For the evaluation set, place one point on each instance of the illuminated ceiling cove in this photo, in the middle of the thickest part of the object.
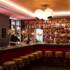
(57, 5)
(12, 9)
(24, 9)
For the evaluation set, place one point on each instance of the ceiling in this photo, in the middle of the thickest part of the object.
(32, 5)
(57, 5)
(7, 8)
(13, 14)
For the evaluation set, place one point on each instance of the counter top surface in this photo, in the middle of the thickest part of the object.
(32, 44)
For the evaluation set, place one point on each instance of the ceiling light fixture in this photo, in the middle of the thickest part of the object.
(43, 14)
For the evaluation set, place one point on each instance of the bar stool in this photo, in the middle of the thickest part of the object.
(31, 60)
(59, 58)
(48, 54)
(48, 57)
(34, 54)
(31, 57)
(67, 59)
(9, 65)
(39, 54)
(35, 57)
(19, 63)
(1, 68)
(26, 61)
(39, 57)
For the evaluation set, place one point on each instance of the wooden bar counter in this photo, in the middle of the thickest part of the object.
(10, 52)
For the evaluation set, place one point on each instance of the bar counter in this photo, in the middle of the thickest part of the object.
(10, 52)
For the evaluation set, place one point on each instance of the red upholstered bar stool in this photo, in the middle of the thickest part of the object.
(19, 63)
(67, 59)
(9, 65)
(1, 68)
(59, 58)
(48, 58)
